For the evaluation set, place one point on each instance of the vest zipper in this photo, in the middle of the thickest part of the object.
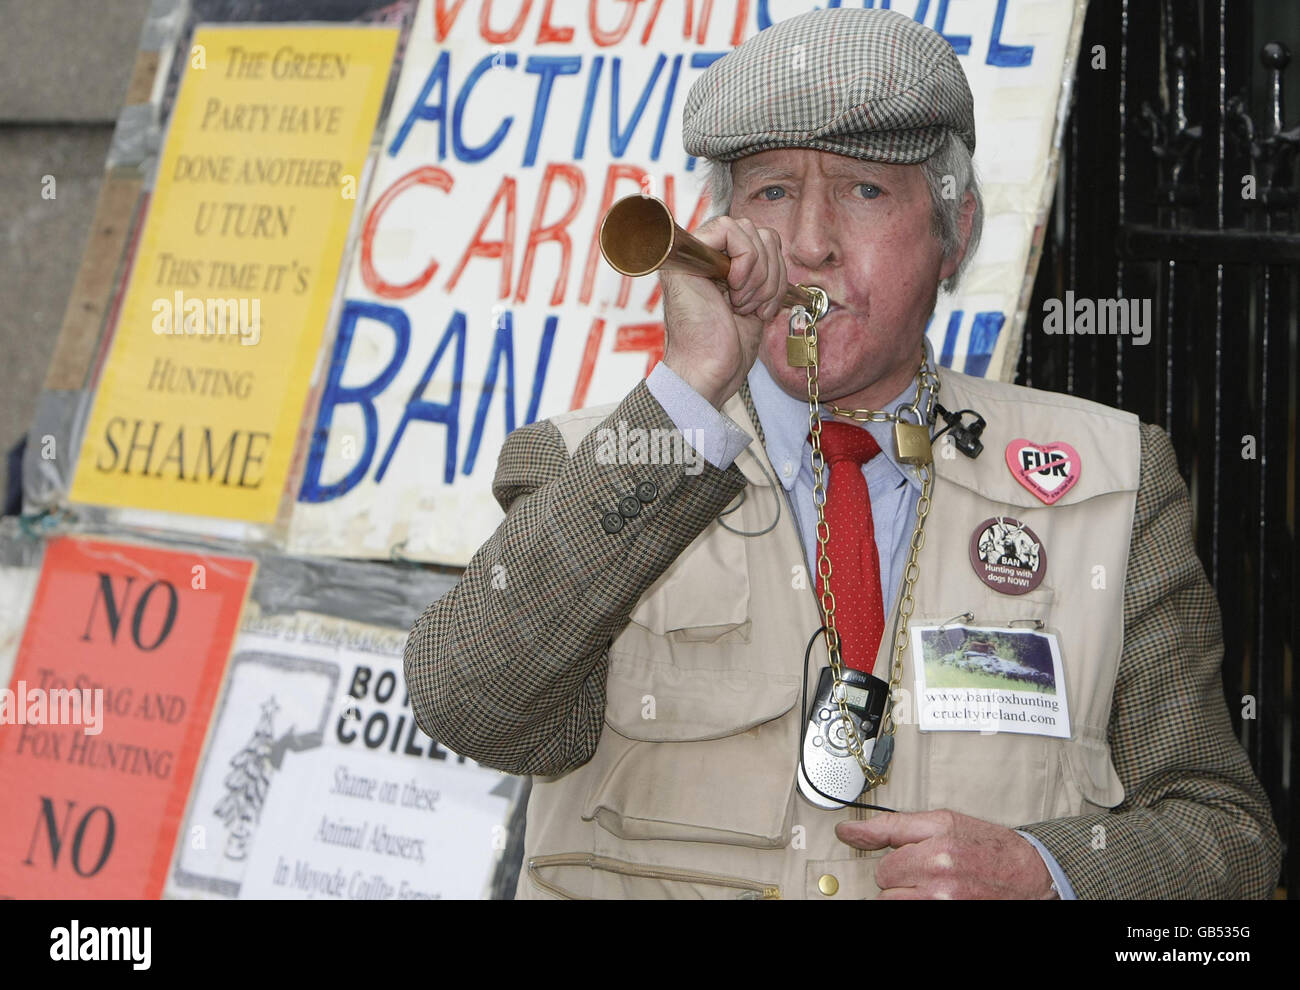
(766, 891)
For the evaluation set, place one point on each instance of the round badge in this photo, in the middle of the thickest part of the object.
(1008, 556)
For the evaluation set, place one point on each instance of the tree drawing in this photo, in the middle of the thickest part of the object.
(247, 784)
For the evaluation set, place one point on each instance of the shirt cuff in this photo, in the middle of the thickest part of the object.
(716, 436)
(1062, 885)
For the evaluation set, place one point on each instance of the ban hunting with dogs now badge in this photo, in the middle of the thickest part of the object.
(1008, 556)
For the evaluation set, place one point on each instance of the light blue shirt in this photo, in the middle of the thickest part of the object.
(893, 488)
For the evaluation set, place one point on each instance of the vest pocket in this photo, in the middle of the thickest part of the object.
(736, 789)
(1002, 777)
(1089, 783)
(696, 754)
(687, 666)
(700, 740)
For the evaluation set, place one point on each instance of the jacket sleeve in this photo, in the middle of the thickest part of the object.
(509, 667)
(1194, 822)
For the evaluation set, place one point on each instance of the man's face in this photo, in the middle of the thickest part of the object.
(861, 231)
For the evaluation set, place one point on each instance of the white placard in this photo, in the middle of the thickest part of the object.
(316, 783)
(477, 299)
(989, 679)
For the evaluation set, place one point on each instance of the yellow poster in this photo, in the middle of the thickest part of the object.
(200, 399)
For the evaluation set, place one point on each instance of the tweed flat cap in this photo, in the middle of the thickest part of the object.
(869, 84)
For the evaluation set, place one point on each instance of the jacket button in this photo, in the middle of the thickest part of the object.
(629, 505)
(646, 491)
(828, 885)
(612, 522)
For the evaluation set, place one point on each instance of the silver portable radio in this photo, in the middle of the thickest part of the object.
(827, 764)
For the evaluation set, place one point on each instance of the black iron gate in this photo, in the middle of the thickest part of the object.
(1179, 185)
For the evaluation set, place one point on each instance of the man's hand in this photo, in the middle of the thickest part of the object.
(713, 334)
(946, 855)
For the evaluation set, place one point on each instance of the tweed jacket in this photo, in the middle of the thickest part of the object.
(517, 681)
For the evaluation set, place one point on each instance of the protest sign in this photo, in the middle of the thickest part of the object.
(200, 399)
(102, 723)
(477, 300)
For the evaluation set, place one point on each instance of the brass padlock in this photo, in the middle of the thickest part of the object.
(801, 344)
(912, 443)
(799, 350)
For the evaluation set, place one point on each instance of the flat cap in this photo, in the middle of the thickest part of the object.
(870, 84)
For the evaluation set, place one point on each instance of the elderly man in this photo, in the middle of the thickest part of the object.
(637, 634)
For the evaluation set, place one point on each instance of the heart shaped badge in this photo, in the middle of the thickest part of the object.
(1049, 470)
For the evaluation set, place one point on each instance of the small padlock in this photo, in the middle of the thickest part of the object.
(912, 443)
(799, 350)
(801, 344)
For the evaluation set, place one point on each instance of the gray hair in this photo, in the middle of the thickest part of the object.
(949, 166)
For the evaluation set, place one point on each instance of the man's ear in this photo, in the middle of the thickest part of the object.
(964, 223)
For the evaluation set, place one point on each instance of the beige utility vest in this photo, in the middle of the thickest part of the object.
(700, 800)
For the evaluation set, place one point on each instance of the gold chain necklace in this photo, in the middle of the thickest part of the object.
(912, 446)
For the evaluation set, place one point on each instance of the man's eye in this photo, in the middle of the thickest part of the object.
(868, 190)
(771, 193)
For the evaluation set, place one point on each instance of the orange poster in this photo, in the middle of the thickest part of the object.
(101, 726)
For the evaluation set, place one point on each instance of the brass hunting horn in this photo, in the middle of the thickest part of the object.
(639, 236)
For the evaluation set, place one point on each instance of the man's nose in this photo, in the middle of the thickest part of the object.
(814, 241)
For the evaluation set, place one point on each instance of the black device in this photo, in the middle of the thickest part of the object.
(966, 437)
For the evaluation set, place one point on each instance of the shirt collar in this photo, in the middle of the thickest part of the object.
(785, 425)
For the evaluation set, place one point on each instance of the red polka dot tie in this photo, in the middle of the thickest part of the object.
(855, 562)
